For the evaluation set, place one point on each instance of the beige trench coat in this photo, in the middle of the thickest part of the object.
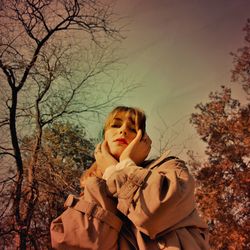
(136, 208)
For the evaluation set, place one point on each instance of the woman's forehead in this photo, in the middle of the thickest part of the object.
(124, 115)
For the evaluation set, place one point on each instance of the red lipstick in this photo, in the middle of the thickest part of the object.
(122, 140)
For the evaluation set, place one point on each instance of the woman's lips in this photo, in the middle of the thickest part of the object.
(122, 141)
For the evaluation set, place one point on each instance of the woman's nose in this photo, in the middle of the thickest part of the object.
(123, 130)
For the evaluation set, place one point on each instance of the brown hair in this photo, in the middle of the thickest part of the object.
(138, 117)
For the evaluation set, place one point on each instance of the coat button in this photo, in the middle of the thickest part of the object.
(69, 201)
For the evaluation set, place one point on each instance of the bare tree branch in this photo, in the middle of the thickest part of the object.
(44, 82)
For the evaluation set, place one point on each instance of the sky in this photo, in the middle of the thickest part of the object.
(178, 51)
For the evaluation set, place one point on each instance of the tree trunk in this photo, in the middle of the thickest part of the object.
(23, 238)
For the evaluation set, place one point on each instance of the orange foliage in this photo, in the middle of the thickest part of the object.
(223, 180)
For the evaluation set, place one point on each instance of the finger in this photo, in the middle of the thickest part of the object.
(148, 140)
(104, 147)
(98, 148)
(138, 136)
(99, 172)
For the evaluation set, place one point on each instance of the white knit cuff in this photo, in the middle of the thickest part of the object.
(118, 167)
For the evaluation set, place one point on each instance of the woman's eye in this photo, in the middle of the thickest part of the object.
(115, 126)
(133, 130)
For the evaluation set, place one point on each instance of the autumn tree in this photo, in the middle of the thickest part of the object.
(54, 54)
(65, 154)
(223, 123)
(240, 72)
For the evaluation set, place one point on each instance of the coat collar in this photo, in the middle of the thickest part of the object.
(159, 160)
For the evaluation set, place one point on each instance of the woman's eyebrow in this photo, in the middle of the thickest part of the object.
(117, 119)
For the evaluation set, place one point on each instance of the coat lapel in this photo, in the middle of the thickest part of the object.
(159, 160)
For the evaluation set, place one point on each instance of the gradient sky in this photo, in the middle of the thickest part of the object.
(179, 52)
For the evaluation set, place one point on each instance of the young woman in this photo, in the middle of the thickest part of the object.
(127, 202)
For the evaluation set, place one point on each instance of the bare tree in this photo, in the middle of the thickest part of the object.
(53, 53)
(65, 154)
(169, 134)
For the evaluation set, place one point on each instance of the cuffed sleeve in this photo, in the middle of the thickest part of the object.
(154, 199)
(125, 181)
(108, 172)
(115, 168)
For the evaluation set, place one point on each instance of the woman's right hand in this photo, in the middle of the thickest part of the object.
(138, 149)
(103, 157)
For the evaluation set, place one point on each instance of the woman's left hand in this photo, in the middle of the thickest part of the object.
(138, 149)
(103, 157)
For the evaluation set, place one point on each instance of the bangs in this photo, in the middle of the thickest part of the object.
(136, 115)
(130, 114)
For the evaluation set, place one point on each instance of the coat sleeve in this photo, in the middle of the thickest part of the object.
(153, 199)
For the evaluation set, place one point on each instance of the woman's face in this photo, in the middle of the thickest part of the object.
(120, 133)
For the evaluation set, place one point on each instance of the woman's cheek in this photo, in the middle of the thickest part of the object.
(116, 151)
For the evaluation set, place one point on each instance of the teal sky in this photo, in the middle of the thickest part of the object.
(179, 51)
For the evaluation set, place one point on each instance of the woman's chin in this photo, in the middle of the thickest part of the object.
(116, 154)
